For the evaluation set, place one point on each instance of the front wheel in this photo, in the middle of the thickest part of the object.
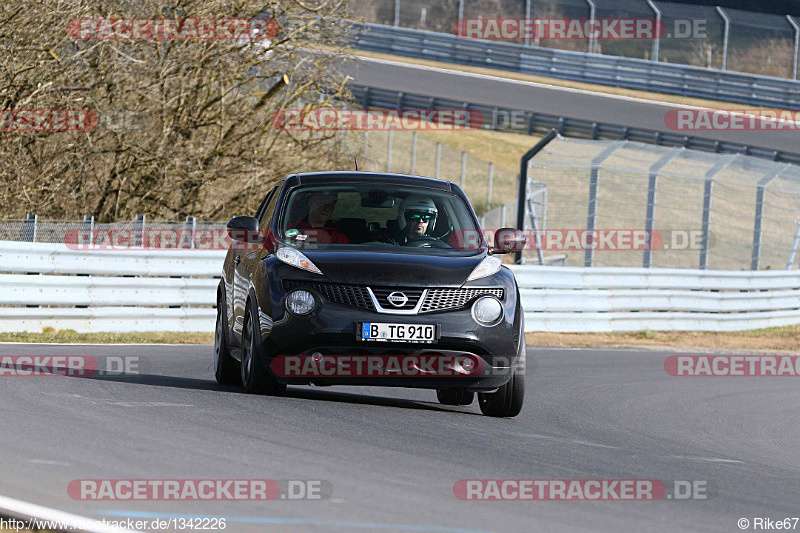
(226, 370)
(507, 401)
(255, 377)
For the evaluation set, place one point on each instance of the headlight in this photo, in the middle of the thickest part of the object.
(487, 311)
(487, 267)
(290, 256)
(300, 302)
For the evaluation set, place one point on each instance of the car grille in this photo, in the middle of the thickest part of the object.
(447, 299)
(357, 296)
(350, 295)
(381, 294)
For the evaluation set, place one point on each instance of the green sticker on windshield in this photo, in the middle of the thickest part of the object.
(291, 233)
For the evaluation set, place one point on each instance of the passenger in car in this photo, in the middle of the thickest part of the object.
(315, 225)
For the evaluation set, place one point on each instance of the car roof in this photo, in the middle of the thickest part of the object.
(368, 177)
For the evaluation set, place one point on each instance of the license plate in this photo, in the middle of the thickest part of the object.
(380, 331)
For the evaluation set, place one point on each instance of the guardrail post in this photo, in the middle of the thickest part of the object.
(87, 236)
(796, 44)
(503, 216)
(707, 190)
(591, 16)
(463, 169)
(725, 34)
(523, 184)
(413, 151)
(762, 185)
(657, 40)
(30, 227)
(191, 230)
(795, 243)
(650, 217)
(366, 98)
(594, 183)
(438, 160)
(489, 189)
(397, 13)
(527, 21)
(138, 231)
(389, 151)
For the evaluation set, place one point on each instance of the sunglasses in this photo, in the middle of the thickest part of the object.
(421, 218)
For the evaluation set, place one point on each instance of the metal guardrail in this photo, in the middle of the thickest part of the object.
(53, 258)
(573, 299)
(121, 290)
(570, 127)
(554, 298)
(615, 71)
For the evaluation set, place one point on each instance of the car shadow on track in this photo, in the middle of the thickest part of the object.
(298, 393)
(349, 397)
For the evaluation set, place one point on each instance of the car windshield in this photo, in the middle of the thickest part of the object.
(378, 217)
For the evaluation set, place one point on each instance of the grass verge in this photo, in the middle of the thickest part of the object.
(783, 339)
(68, 336)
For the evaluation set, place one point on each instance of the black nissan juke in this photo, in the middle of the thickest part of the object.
(341, 274)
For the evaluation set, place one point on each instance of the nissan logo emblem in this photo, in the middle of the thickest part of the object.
(397, 299)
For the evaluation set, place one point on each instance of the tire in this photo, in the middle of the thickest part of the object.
(255, 377)
(455, 397)
(507, 401)
(226, 369)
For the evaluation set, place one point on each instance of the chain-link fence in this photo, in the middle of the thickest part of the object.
(627, 204)
(485, 183)
(704, 36)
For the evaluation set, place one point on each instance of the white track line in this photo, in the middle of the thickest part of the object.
(27, 511)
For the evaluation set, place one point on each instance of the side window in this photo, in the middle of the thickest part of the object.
(268, 209)
(260, 210)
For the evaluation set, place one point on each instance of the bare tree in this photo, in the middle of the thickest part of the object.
(183, 122)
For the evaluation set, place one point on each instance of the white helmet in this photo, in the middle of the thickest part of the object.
(417, 204)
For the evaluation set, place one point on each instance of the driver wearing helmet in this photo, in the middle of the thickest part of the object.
(416, 218)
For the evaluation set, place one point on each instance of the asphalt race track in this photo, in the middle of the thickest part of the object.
(392, 456)
(542, 98)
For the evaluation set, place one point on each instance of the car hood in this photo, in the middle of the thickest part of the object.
(394, 268)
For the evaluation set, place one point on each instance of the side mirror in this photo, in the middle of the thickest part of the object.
(244, 229)
(507, 240)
